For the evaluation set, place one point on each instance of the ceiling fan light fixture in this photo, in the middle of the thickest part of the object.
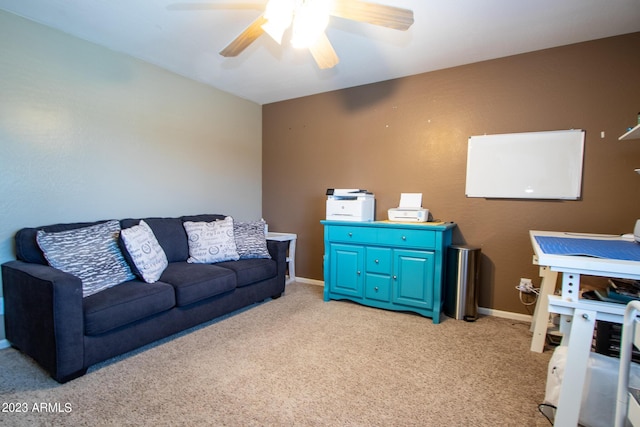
(310, 20)
(279, 14)
(307, 21)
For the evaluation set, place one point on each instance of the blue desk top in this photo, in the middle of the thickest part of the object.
(610, 249)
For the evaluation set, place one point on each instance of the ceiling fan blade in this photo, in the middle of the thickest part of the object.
(245, 38)
(373, 13)
(323, 53)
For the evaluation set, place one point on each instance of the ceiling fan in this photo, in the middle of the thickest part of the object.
(308, 20)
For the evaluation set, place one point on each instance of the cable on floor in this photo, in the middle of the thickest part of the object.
(547, 405)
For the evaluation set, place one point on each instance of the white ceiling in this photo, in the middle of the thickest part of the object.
(446, 33)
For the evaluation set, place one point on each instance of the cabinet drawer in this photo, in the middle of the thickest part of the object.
(378, 260)
(378, 287)
(409, 238)
(348, 234)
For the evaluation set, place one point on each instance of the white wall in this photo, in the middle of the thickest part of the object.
(87, 134)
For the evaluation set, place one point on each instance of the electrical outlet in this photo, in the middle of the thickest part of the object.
(525, 286)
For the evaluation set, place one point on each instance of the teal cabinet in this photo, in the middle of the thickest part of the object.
(393, 266)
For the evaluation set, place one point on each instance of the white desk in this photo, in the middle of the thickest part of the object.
(291, 257)
(578, 316)
(626, 405)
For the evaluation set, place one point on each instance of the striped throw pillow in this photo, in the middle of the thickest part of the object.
(90, 253)
(251, 241)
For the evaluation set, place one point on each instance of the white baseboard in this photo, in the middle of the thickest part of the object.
(505, 314)
(310, 281)
(481, 310)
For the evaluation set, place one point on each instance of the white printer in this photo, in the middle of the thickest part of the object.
(350, 204)
(410, 209)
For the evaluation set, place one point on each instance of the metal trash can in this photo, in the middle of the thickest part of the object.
(462, 280)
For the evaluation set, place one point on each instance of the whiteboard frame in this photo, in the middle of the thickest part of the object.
(531, 165)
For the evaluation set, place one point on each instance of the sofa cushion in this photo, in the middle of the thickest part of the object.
(147, 256)
(170, 235)
(211, 241)
(90, 253)
(251, 241)
(27, 248)
(195, 282)
(124, 304)
(250, 271)
(202, 217)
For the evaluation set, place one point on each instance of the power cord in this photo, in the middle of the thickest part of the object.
(526, 287)
(546, 405)
(528, 303)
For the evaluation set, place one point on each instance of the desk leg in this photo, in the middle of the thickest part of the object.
(579, 348)
(541, 312)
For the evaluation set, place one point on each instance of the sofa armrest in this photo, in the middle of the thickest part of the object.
(44, 316)
(278, 251)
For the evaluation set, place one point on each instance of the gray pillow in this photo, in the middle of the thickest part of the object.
(90, 253)
(145, 251)
(250, 239)
(211, 242)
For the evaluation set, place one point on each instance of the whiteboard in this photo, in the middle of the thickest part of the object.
(532, 165)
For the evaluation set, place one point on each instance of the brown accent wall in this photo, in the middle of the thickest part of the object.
(410, 135)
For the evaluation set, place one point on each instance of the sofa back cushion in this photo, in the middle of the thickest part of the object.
(170, 235)
(203, 217)
(27, 248)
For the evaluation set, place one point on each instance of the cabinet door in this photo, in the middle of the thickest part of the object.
(346, 270)
(413, 273)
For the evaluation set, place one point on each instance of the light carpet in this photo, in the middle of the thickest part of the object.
(299, 361)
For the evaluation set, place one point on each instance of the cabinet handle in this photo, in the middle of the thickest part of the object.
(404, 237)
(395, 277)
(350, 234)
(358, 273)
(376, 261)
(375, 289)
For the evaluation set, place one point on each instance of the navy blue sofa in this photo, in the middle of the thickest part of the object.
(47, 318)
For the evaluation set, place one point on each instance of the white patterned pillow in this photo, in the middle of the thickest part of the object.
(250, 239)
(89, 253)
(211, 241)
(145, 251)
